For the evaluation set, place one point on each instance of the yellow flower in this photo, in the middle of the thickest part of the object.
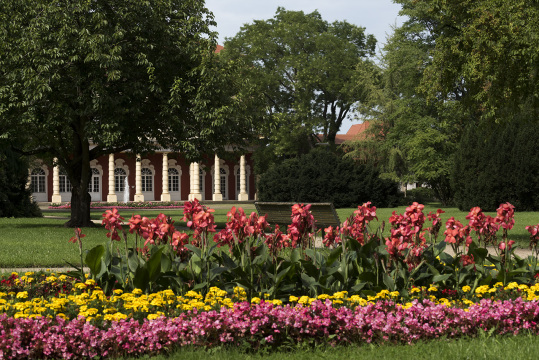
(80, 286)
(137, 291)
(277, 302)
(90, 282)
(153, 316)
(29, 273)
(293, 298)
(415, 290)
(22, 295)
(466, 288)
(432, 289)
(255, 300)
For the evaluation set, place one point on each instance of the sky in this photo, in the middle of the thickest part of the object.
(376, 16)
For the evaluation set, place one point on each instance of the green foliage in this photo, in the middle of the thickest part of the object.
(15, 197)
(304, 72)
(488, 47)
(498, 163)
(323, 176)
(82, 79)
(411, 138)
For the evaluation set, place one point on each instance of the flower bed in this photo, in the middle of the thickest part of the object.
(125, 205)
(85, 323)
(168, 288)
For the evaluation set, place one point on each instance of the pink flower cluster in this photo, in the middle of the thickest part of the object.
(406, 233)
(239, 227)
(303, 225)
(200, 219)
(486, 227)
(381, 322)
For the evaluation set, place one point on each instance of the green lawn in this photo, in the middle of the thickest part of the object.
(44, 242)
(492, 348)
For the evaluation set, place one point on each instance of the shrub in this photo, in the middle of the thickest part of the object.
(323, 176)
(498, 163)
(15, 197)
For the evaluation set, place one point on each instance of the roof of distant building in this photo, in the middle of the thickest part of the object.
(356, 132)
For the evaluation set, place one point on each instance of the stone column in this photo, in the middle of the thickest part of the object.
(217, 196)
(165, 196)
(56, 198)
(195, 190)
(243, 196)
(139, 197)
(111, 196)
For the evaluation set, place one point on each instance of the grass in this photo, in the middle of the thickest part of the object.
(43, 242)
(484, 347)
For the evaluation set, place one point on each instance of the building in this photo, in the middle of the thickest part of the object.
(163, 176)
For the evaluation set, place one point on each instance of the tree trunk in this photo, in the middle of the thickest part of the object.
(80, 209)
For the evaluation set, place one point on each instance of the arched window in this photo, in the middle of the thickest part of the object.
(201, 181)
(94, 183)
(222, 181)
(37, 180)
(119, 179)
(65, 184)
(173, 179)
(147, 179)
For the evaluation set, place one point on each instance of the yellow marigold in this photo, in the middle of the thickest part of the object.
(277, 302)
(415, 290)
(394, 294)
(432, 289)
(136, 291)
(22, 295)
(29, 273)
(62, 278)
(90, 282)
(481, 289)
(50, 279)
(466, 288)
(293, 298)
(303, 300)
(323, 296)
(255, 300)
(153, 316)
(80, 286)
(498, 284)
(117, 291)
(511, 286)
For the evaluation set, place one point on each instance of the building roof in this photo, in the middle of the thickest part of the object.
(356, 132)
(218, 48)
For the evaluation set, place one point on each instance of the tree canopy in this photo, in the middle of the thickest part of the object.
(81, 79)
(303, 71)
(488, 48)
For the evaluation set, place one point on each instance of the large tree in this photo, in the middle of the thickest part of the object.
(81, 79)
(487, 47)
(412, 139)
(304, 71)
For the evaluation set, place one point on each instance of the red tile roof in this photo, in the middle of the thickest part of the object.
(218, 48)
(356, 132)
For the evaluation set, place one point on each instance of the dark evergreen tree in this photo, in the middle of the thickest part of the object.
(323, 176)
(15, 198)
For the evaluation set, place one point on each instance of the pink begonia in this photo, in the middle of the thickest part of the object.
(381, 322)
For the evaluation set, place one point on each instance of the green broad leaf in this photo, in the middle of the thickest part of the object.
(194, 249)
(295, 256)
(433, 269)
(311, 254)
(94, 259)
(282, 274)
(517, 271)
(199, 286)
(388, 281)
(439, 248)
(133, 261)
(446, 258)
(440, 278)
(141, 280)
(154, 264)
(308, 281)
(358, 287)
(334, 255)
(215, 272)
(166, 263)
(196, 264)
(367, 276)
